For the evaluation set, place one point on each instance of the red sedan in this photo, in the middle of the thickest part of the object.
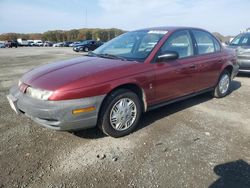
(133, 73)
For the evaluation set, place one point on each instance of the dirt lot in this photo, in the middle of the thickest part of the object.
(199, 142)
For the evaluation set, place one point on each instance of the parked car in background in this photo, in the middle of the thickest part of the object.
(38, 42)
(59, 44)
(112, 86)
(67, 43)
(74, 43)
(31, 43)
(48, 44)
(10, 44)
(2, 45)
(242, 45)
(88, 45)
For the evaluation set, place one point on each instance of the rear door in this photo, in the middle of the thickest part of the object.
(208, 59)
(174, 78)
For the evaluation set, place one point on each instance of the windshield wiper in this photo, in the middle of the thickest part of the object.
(111, 56)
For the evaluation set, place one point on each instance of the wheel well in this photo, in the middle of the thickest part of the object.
(229, 68)
(134, 88)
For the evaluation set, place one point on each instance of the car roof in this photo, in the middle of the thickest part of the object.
(244, 34)
(168, 28)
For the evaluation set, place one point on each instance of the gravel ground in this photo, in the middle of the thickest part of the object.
(200, 142)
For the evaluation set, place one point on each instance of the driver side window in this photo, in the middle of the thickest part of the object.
(179, 42)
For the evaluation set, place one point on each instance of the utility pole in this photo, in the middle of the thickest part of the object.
(86, 18)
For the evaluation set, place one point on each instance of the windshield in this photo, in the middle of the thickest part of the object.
(241, 40)
(135, 45)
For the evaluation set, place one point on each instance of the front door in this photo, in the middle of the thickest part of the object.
(175, 78)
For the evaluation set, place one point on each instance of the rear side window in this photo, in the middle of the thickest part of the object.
(179, 42)
(245, 40)
(205, 42)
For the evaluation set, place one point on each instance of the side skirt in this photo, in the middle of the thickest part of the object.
(158, 105)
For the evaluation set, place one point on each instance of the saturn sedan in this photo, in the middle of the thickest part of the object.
(133, 73)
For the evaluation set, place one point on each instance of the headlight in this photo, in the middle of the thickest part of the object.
(38, 93)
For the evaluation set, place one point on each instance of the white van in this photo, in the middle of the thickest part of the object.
(22, 42)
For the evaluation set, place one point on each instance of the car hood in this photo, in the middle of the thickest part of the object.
(243, 51)
(89, 70)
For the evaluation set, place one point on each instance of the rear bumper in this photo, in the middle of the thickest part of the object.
(57, 114)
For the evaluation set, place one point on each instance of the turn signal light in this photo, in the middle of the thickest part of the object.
(82, 110)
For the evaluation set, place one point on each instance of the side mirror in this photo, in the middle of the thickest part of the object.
(171, 55)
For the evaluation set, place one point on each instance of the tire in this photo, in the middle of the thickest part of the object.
(223, 86)
(86, 49)
(125, 119)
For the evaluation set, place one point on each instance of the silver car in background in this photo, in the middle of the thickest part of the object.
(242, 45)
(2, 45)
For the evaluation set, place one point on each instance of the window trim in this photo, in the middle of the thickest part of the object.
(194, 44)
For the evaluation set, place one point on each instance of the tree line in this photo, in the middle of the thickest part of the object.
(222, 38)
(71, 35)
(78, 34)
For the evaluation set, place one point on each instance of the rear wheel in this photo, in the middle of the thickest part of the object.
(223, 86)
(120, 113)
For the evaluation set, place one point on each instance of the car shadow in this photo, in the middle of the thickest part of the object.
(92, 133)
(243, 74)
(235, 85)
(152, 116)
(233, 174)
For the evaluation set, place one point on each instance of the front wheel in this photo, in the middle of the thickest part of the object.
(223, 86)
(86, 49)
(120, 113)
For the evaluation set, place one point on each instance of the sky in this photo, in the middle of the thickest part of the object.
(227, 17)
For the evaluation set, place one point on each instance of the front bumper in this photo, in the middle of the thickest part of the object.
(244, 63)
(57, 114)
(76, 49)
(235, 71)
